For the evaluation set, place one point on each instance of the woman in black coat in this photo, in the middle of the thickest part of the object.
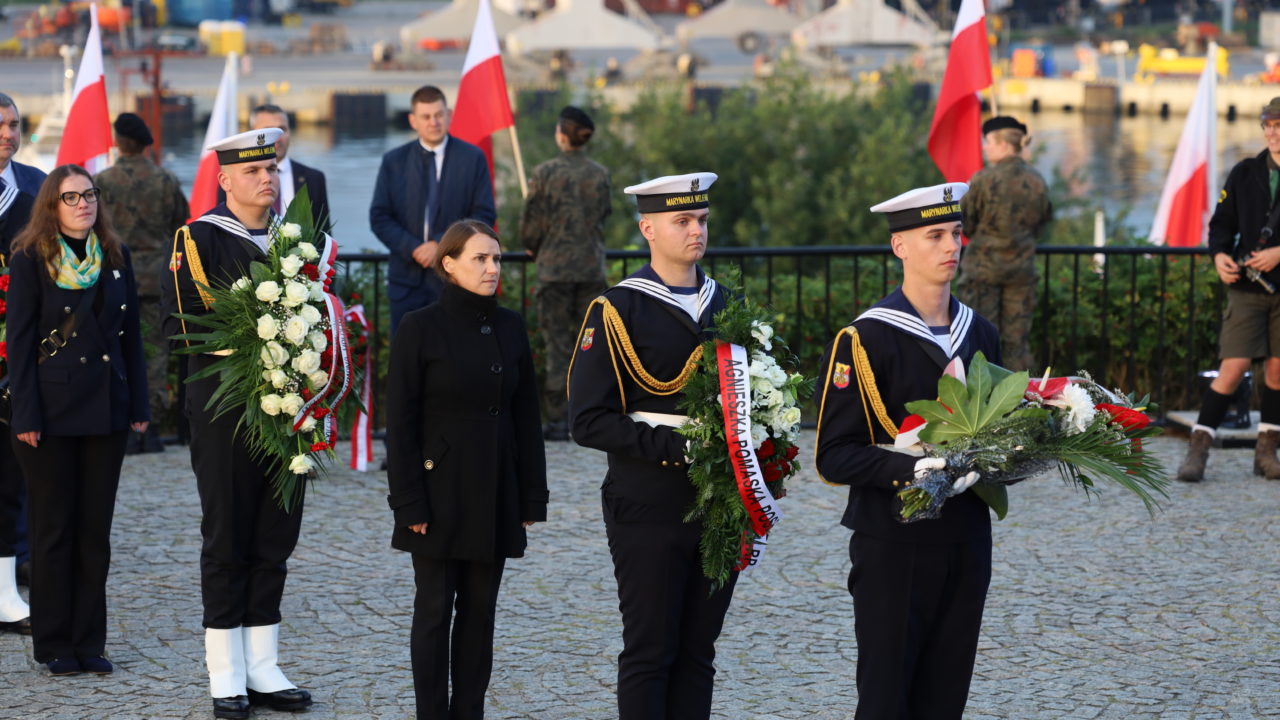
(76, 394)
(465, 465)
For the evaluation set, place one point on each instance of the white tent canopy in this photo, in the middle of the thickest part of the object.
(861, 22)
(581, 25)
(734, 18)
(454, 22)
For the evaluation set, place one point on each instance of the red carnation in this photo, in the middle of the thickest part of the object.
(311, 270)
(772, 473)
(792, 452)
(766, 449)
(320, 412)
(306, 393)
(1127, 418)
(4, 282)
(320, 446)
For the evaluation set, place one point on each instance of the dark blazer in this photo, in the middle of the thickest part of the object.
(464, 435)
(317, 190)
(97, 383)
(465, 191)
(12, 221)
(29, 178)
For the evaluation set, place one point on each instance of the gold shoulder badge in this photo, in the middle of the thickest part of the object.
(840, 376)
(175, 262)
(1223, 195)
(588, 337)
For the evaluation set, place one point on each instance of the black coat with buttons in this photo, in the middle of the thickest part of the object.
(97, 383)
(464, 434)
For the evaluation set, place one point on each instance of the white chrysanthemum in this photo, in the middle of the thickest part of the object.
(279, 356)
(270, 404)
(763, 334)
(318, 340)
(290, 404)
(279, 378)
(308, 251)
(758, 434)
(1079, 406)
(310, 314)
(296, 329)
(301, 465)
(292, 231)
(268, 291)
(290, 265)
(268, 328)
(307, 362)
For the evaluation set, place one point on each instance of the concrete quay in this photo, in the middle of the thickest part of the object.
(1096, 610)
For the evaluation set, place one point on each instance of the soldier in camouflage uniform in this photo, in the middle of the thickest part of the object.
(146, 206)
(562, 228)
(1005, 213)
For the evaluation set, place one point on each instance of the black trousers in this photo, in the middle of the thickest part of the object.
(13, 490)
(670, 622)
(917, 611)
(466, 593)
(71, 499)
(248, 538)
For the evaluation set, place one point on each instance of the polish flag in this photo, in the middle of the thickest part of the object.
(483, 107)
(222, 124)
(86, 138)
(955, 136)
(1182, 219)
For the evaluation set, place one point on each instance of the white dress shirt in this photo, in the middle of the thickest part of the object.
(439, 151)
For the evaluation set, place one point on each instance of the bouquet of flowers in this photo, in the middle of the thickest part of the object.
(4, 322)
(285, 360)
(1008, 428)
(744, 416)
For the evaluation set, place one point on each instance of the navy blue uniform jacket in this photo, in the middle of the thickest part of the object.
(399, 204)
(97, 383)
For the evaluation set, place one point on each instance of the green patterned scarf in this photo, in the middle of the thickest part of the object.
(73, 275)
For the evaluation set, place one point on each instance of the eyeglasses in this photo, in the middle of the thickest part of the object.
(73, 198)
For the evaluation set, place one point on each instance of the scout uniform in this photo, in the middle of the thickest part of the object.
(918, 589)
(634, 352)
(247, 536)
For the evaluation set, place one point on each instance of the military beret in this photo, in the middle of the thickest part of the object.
(673, 193)
(923, 206)
(247, 146)
(133, 127)
(1002, 122)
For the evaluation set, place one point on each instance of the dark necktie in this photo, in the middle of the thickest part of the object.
(430, 184)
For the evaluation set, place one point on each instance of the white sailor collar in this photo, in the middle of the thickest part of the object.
(221, 217)
(898, 313)
(646, 281)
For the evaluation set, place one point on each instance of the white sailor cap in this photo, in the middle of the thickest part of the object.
(672, 193)
(923, 206)
(248, 146)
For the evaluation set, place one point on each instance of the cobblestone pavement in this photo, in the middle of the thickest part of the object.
(1095, 611)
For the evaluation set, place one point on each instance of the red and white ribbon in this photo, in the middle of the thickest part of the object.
(362, 426)
(735, 399)
(339, 382)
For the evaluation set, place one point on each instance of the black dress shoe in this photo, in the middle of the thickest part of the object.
(97, 665)
(287, 700)
(63, 666)
(236, 707)
(18, 627)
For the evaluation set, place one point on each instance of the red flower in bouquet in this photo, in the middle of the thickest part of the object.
(312, 271)
(791, 452)
(1048, 389)
(1127, 418)
(766, 449)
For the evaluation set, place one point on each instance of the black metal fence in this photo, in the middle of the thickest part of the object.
(1139, 318)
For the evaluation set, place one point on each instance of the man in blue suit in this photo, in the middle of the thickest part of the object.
(27, 179)
(423, 187)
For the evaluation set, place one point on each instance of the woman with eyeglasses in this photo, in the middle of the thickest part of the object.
(78, 380)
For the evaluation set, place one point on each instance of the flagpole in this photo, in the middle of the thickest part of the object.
(515, 150)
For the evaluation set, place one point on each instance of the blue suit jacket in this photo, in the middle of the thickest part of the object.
(399, 204)
(29, 178)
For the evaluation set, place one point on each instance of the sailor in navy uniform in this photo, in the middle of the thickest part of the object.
(918, 589)
(247, 536)
(634, 353)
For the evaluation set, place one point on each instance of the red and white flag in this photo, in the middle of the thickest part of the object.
(86, 138)
(1182, 218)
(222, 124)
(955, 136)
(483, 107)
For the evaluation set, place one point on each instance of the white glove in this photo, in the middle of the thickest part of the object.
(965, 482)
(925, 465)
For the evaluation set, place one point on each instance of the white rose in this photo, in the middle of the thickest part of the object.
(270, 404)
(290, 404)
(787, 419)
(308, 251)
(241, 284)
(293, 231)
(268, 362)
(317, 292)
(296, 329)
(279, 379)
(266, 374)
(310, 314)
(301, 465)
(307, 362)
(279, 356)
(777, 375)
(268, 328)
(268, 291)
(308, 424)
(290, 265)
(318, 340)
(317, 379)
(295, 293)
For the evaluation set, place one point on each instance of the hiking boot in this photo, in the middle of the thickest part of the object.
(1192, 468)
(1264, 455)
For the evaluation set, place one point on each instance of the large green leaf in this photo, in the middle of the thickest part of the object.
(995, 496)
(1004, 398)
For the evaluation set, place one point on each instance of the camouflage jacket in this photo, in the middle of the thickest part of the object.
(1006, 211)
(146, 206)
(563, 219)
